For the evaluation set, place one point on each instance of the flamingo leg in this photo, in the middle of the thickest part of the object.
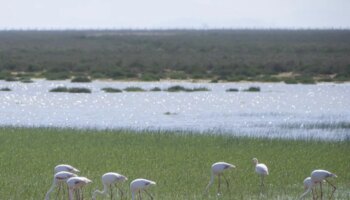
(58, 191)
(111, 191)
(321, 190)
(219, 182)
(149, 194)
(139, 195)
(334, 188)
(227, 183)
(121, 191)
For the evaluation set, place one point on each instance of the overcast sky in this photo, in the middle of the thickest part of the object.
(75, 14)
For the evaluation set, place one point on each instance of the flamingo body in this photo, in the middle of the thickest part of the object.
(140, 184)
(59, 178)
(75, 183)
(317, 177)
(217, 169)
(67, 168)
(109, 179)
(261, 169)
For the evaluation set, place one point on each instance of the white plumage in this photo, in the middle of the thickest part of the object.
(261, 169)
(59, 178)
(317, 177)
(139, 185)
(108, 180)
(76, 183)
(217, 169)
(67, 168)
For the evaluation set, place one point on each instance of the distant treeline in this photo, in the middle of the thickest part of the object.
(230, 55)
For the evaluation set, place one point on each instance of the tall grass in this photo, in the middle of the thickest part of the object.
(179, 162)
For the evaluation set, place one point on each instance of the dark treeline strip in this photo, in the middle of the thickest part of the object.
(230, 55)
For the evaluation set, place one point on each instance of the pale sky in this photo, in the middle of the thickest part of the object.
(137, 14)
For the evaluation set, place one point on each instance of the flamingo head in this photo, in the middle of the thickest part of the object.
(122, 178)
(255, 161)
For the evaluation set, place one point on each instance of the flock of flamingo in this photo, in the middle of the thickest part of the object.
(66, 175)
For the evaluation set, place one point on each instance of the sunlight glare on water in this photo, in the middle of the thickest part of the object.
(279, 110)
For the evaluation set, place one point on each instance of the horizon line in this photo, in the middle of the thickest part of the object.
(165, 28)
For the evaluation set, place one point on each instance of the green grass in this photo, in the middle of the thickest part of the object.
(178, 162)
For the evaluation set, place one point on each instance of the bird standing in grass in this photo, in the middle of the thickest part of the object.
(261, 169)
(66, 168)
(217, 169)
(139, 185)
(59, 179)
(318, 176)
(108, 180)
(75, 184)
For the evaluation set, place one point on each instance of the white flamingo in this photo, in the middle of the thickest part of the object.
(75, 184)
(138, 185)
(67, 168)
(108, 180)
(58, 180)
(318, 176)
(261, 169)
(217, 169)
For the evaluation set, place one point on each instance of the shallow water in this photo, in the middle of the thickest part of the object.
(279, 110)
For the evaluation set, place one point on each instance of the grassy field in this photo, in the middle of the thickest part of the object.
(178, 162)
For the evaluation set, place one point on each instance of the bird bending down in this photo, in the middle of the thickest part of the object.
(75, 184)
(217, 169)
(138, 185)
(108, 180)
(261, 169)
(318, 176)
(67, 168)
(58, 180)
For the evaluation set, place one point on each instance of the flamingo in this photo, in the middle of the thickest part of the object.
(76, 183)
(318, 176)
(308, 184)
(261, 169)
(217, 169)
(67, 168)
(59, 178)
(109, 179)
(138, 185)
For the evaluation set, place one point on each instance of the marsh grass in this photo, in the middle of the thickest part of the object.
(178, 161)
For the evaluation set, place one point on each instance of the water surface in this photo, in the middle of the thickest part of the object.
(279, 110)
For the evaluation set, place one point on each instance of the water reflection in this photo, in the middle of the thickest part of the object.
(279, 110)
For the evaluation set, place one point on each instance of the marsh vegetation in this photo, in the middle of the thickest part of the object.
(303, 56)
(178, 161)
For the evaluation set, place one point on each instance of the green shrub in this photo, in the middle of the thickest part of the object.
(200, 89)
(232, 90)
(133, 89)
(290, 81)
(252, 89)
(26, 80)
(11, 79)
(57, 75)
(155, 89)
(79, 90)
(176, 88)
(81, 79)
(111, 90)
(71, 90)
(5, 89)
(59, 89)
